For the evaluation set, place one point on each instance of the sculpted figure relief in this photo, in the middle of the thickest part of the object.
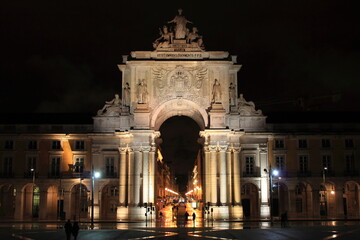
(216, 92)
(180, 28)
(142, 92)
(111, 107)
(126, 100)
(247, 107)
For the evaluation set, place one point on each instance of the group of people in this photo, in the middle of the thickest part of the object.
(71, 229)
(187, 216)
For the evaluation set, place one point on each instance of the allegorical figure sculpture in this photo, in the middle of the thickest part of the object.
(194, 37)
(247, 107)
(232, 94)
(142, 92)
(216, 92)
(126, 100)
(165, 38)
(112, 106)
(180, 28)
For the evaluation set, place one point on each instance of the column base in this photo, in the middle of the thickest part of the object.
(265, 212)
(220, 212)
(138, 213)
(236, 212)
(122, 213)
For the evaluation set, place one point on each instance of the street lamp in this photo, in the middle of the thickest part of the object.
(324, 204)
(271, 172)
(94, 175)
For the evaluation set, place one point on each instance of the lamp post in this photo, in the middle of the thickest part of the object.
(94, 175)
(324, 205)
(271, 172)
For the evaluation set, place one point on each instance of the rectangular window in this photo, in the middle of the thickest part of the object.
(298, 205)
(280, 162)
(350, 163)
(279, 143)
(110, 166)
(249, 165)
(349, 143)
(113, 207)
(55, 166)
(303, 143)
(31, 163)
(79, 164)
(9, 145)
(56, 145)
(303, 163)
(32, 145)
(7, 167)
(114, 192)
(326, 162)
(325, 143)
(79, 145)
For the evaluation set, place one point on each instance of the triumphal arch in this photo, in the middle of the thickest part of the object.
(180, 78)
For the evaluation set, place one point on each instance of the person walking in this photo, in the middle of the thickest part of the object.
(194, 216)
(75, 230)
(68, 229)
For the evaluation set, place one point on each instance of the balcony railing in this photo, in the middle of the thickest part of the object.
(30, 174)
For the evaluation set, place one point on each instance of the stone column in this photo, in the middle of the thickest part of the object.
(131, 174)
(145, 172)
(229, 177)
(316, 203)
(43, 204)
(19, 204)
(137, 176)
(122, 177)
(338, 202)
(152, 175)
(207, 174)
(223, 176)
(213, 175)
(265, 188)
(67, 204)
(237, 185)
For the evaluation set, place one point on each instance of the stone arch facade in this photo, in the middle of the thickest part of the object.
(178, 107)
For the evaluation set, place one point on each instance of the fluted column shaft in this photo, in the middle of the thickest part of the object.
(223, 176)
(213, 176)
(137, 176)
(207, 178)
(122, 177)
(152, 175)
(145, 171)
(229, 177)
(237, 185)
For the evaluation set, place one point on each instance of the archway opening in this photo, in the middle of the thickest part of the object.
(182, 154)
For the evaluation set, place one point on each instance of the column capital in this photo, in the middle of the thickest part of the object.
(122, 150)
(212, 148)
(223, 148)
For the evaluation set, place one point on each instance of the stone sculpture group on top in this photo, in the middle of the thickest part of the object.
(178, 32)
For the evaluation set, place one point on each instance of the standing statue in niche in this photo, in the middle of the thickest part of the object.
(216, 92)
(112, 106)
(180, 28)
(232, 94)
(142, 92)
(126, 100)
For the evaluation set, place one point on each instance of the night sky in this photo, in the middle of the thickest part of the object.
(62, 56)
